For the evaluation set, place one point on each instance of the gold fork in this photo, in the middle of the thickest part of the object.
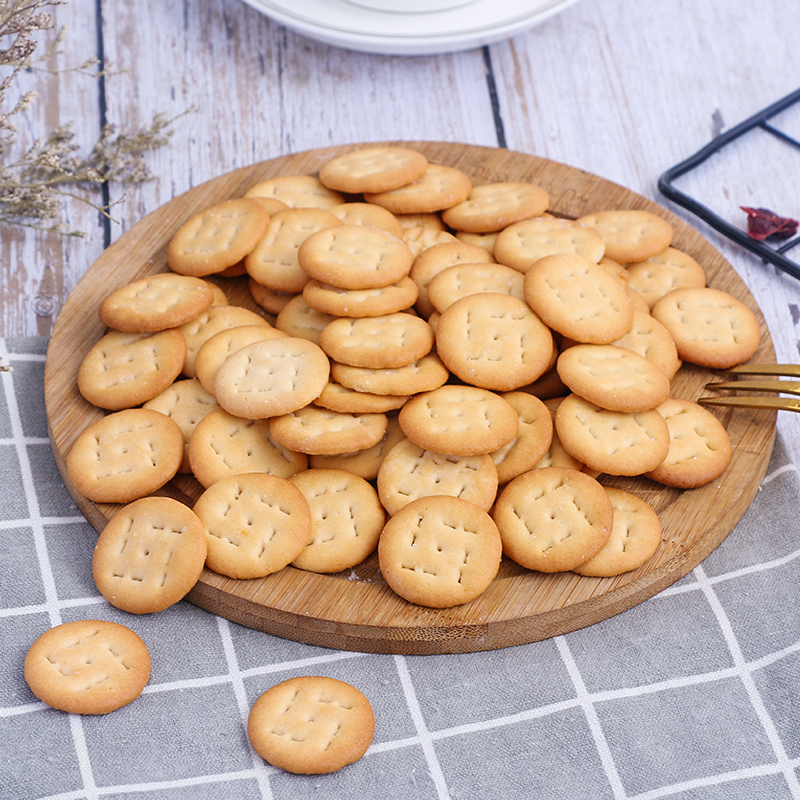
(768, 370)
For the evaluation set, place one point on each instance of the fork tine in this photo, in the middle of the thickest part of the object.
(774, 403)
(785, 370)
(786, 387)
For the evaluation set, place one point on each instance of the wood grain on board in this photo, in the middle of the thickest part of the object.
(356, 610)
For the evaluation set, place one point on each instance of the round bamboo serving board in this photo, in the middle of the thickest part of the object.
(356, 610)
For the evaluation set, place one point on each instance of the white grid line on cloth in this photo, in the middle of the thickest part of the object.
(712, 780)
(25, 440)
(40, 608)
(16, 523)
(727, 576)
(745, 674)
(425, 739)
(181, 783)
(45, 568)
(778, 472)
(234, 674)
(586, 703)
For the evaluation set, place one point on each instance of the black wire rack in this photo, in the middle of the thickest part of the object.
(776, 255)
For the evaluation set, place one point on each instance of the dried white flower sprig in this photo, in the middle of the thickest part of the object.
(35, 185)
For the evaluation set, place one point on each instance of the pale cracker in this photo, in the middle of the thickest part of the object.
(346, 520)
(297, 318)
(635, 537)
(440, 552)
(660, 274)
(485, 241)
(149, 555)
(710, 327)
(612, 441)
(494, 341)
(216, 319)
(217, 238)
(223, 445)
(431, 219)
(422, 238)
(613, 377)
(373, 169)
(272, 301)
(311, 725)
(364, 463)
(319, 431)
(297, 191)
(255, 524)
(125, 455)
(156, 303)
(491, 207)
(437, 188)
(420, 376)
(384, 342)
(370, 215)
(271, 377)
(461, 280)
(578, 298)
(433, 260)
(355, 257)
(186, 402)
(349, 401)
(217, 349)
(360, 302)
(409, 471)
(123, 370)
(630, 234)
(533, 440)
(273, 261)
(553, 519)
(699, 450)
(524, 243)
(649, 338)
(87, 666)
(459, 420)
(557, 456)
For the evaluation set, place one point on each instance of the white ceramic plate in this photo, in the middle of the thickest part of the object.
(354, 27)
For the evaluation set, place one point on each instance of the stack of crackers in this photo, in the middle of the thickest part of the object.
(440, 372)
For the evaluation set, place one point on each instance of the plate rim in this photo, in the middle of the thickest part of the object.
(410, 45)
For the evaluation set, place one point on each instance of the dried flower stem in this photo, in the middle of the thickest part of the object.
(33, 187)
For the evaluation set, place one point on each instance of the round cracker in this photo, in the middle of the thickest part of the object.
(122, 370)
(149, 555)
(459, 420)
(311, 725)
(630, 234)
(699, 450)
(409, 472)
(373, 169)
(553, 519)
(578, 298)
(125, 455)
(271, 377)
(439, 552)
(346, 519)
(635, 537)
(156, 303)
(255, 524)
(87, 666)
(217, 238)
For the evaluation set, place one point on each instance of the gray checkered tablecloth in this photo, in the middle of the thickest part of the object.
(691, 695)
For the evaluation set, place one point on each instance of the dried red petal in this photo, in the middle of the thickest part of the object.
(763, 224)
